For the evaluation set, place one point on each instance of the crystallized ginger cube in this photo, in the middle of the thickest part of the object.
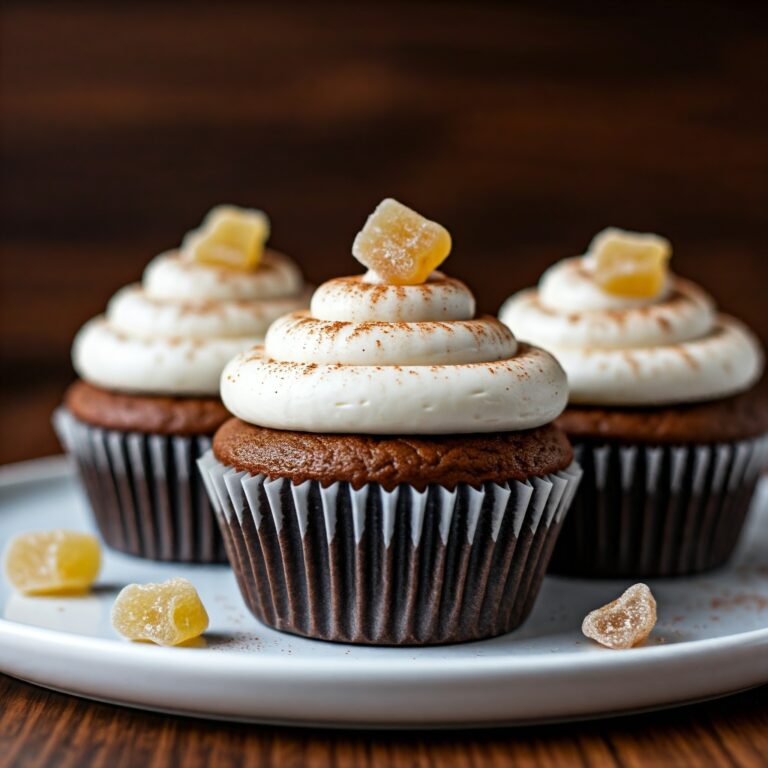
(625, 622)
(229, 237)
(52, 562)
(400, 245)
(630, 264)
(167, 614)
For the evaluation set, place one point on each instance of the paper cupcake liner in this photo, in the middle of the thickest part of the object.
(384, 567)
(664, 510)
(144, 490)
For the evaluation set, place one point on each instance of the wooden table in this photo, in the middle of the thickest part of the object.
(40, 728)
(523, 127)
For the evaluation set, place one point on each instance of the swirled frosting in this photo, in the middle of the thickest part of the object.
(670, 348)
(174, 332)
(370, 357)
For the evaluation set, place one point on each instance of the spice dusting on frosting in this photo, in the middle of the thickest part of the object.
(399, 350)
(628, 332)
(174, 332)
(229, 237)
(401, 246)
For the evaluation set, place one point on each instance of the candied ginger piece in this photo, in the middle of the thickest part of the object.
(229, 237)
(625, 622)
(167, 614)
(630, 263)
(52, 562)
(400, 245)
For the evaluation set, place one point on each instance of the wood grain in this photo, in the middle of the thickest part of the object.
(40, 728)
(523, 127)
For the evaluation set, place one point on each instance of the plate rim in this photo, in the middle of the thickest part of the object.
(383, 668)
(56, 466)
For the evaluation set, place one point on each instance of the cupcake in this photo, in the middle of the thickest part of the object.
(146, 404)
(664, 413)
(392, 475)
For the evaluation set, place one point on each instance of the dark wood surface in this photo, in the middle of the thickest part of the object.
(523, 127)
(40, 728)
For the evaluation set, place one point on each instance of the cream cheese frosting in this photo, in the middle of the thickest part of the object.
(370, 357)
(173, 333)
(673, 347)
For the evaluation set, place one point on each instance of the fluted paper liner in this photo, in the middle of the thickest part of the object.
(144, 490)
(664, 510)
(381, 567)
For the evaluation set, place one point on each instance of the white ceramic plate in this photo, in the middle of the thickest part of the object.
(712, 638)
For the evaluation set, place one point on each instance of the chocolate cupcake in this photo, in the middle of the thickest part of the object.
(664, 413)
(147, 403)
(392, 475)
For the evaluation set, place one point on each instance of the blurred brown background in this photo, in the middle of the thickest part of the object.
(523, 127)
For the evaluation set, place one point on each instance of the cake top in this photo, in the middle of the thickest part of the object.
(390, 460)
(628, 331)
(397, 350)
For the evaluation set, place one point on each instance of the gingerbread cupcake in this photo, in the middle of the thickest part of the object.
(147, 404)
(392, 475)
(664, 413)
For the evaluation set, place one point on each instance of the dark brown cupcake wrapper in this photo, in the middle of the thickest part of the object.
(664, 510)
(384, 567)
(144, 490)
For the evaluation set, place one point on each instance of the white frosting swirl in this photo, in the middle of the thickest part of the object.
(363, 298)
(169, 276)
(671, 348)
(384, 359)
(174, 332)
